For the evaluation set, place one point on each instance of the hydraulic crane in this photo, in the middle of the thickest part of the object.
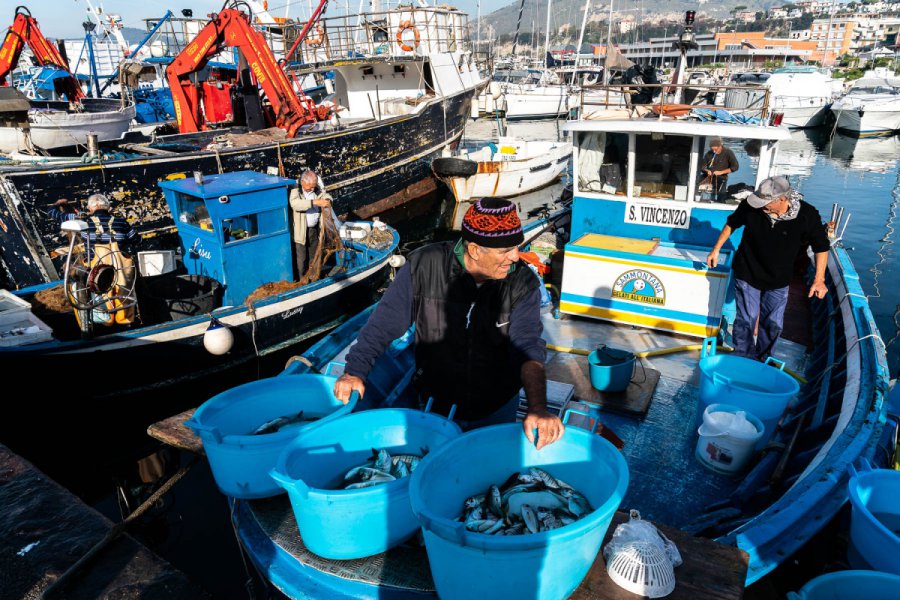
(231, 28)
(25, 30)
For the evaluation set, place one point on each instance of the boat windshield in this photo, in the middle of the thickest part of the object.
(664, 166)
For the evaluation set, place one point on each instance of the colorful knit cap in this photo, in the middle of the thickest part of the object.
(493, 223)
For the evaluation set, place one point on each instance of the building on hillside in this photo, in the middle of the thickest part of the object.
(839, 36)
(778, 12)
(747, 16)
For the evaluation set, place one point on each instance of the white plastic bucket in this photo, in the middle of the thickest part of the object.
(726, 442)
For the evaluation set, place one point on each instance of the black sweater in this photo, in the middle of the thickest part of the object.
(765, 258)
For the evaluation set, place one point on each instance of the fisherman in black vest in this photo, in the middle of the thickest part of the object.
(476, 310)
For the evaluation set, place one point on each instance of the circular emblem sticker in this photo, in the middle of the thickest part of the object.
(639, 286)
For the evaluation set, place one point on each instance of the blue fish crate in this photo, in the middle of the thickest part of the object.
(342, 524)
(241, 460)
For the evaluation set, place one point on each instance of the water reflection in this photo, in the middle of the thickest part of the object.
(797, 156)
(875, 154)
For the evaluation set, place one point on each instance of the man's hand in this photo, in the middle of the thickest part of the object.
(712, 259)
(818, 289)
(321, 202)
(60, 202)
(346, 384)
(548, 426)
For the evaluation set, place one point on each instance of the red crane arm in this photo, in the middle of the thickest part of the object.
(25, 30)
(231, 28)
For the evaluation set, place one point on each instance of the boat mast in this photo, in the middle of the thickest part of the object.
(587, 6)
(685, 42)
(547, 36)
(608, 42)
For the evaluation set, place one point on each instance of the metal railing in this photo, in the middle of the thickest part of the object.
(397, 33)
(666, 95)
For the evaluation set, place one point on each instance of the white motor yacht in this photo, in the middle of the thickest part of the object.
(871, 106)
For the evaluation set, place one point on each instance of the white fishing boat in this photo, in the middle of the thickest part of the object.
(507, 168)
(871, 106)
(52, 124)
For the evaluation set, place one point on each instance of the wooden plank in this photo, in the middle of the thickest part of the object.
(174, 432)
(635, 400)
(45, 529)
(710, 571)
(599, 241)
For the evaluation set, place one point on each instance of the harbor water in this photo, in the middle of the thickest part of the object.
(191, 526)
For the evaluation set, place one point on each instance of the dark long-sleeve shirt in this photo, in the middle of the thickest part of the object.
(394, 316)
(765, 258)
(721, 161)
(119, 229)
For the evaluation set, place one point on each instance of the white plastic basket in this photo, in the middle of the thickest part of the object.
(642, 568)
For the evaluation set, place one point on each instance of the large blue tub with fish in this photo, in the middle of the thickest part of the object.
(245, 428)
(547, 565)
(374, 515)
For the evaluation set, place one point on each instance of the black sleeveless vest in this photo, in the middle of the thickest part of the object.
(462, 332)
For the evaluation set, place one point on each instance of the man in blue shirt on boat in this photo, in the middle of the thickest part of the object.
(778, 224)
(476, 310)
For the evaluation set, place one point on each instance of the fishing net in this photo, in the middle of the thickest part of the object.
(329, 244)
(51, 300)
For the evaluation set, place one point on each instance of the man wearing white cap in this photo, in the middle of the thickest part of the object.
(778, 225)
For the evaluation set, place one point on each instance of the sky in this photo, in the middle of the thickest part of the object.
(63, 18)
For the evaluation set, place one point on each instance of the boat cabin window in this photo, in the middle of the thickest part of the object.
(733, 186)
(667, 166)
(662, 166)
(238, 228)
(603, 163)
(192, 211)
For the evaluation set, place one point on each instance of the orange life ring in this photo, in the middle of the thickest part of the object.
(319, 39)
(404, 25)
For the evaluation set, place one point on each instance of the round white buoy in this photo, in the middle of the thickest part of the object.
(218, 338)
(397, 261)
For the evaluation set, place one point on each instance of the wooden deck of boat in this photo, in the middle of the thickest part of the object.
(667, 484)
(45, 529)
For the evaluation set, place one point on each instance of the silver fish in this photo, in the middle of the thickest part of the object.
(530, 519)
(544, 477)
(368, 483)
(399, 470)
(494, 502)
(382, 460)
(475, 501)
(277, 423)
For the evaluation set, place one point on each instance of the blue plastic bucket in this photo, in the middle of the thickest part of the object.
(610, 368)
(875, 519)
(843, 585)
(345, 524)
(546, 565)
(240, 462)
(755, 387)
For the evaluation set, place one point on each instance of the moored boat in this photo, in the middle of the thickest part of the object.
(507, 168)
(791, 489)
(871, 106)
(236, 277)
(403, 95)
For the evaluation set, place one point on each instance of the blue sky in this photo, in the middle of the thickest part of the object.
(63, 18)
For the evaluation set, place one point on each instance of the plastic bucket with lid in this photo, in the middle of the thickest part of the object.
(843, 585)
(344, 524)
(546, 565)
(727, 436)
(610, 368)
(240, 461)
(758, 388)
(875, 519)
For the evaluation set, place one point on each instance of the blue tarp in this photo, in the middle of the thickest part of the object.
(720, 115)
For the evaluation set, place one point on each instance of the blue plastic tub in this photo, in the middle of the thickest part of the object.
(758, 388)
(875, 519)
(343, 524)
(240, 462)
(844, 585)
(546, 565)
(610, 369)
